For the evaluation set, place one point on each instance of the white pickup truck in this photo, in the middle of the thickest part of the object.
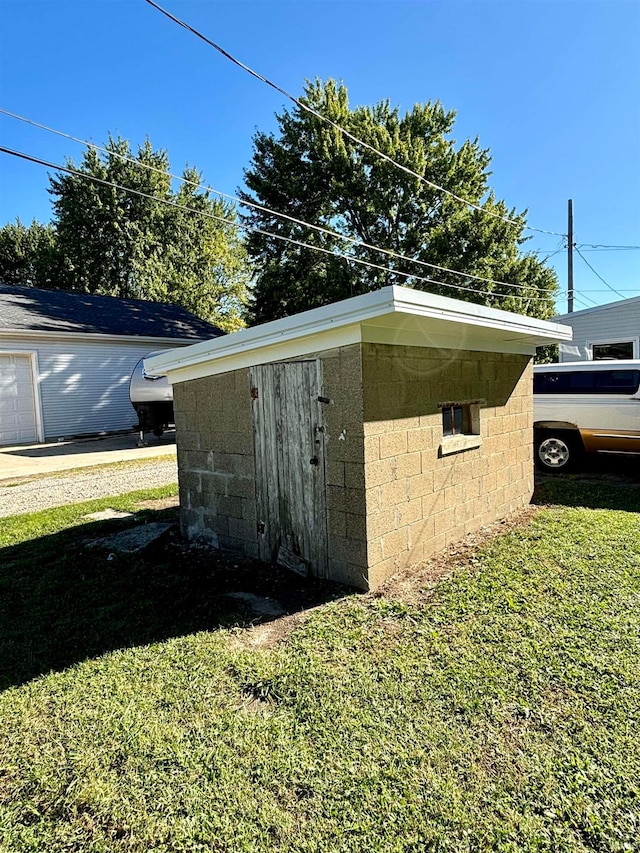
(585, 407)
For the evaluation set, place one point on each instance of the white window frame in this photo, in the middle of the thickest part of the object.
(35, 384)
(621, 339)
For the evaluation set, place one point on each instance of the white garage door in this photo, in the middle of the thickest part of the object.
(17, 404)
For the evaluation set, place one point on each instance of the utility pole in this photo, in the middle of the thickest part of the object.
(570, 255)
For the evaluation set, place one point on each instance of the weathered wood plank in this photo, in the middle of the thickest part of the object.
(289, 434)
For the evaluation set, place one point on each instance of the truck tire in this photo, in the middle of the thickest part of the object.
(557, 450)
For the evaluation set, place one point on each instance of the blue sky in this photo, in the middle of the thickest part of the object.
(551, 88)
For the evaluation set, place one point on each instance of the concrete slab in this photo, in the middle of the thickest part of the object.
(258, 604)
(132, 541)
(36, 459)
(107, 515)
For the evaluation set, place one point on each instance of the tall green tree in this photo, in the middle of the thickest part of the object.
(313, 172)
(28, 254)
(105, 234)
(200, 260)
(149, 241)
(120, 228)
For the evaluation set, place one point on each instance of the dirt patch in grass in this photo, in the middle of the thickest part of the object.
(242, 583)
(417, 584)
(267, 635)
(160, 503)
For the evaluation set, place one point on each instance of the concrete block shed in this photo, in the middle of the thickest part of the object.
(357, 439)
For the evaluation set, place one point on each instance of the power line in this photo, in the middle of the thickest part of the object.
(329, 232)
(584, 296)
(602, 247)
(551, 250)
(581, 300)
(602, 290)
(241, 226)
(598, 274)
(545, 259)
(338, 127)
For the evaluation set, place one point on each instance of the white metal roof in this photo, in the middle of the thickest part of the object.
(392, 315)
(627, 304)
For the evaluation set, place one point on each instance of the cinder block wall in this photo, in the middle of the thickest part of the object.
(216, 461)
(346, 504)
(418, 501)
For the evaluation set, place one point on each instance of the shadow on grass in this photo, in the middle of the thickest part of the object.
(602, 482)
(95, 444)
(61, 603)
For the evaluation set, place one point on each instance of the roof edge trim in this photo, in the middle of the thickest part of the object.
(391, 300)
(47, 335)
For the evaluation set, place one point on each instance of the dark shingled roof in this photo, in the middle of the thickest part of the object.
(35, 310)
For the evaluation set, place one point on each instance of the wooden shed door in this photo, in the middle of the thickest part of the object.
(290, 465)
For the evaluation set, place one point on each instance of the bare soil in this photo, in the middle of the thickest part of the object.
(417, 584)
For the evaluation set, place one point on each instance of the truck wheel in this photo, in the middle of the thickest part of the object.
(556, 451)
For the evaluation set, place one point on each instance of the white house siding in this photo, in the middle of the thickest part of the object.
(618, 321)
(84, 384)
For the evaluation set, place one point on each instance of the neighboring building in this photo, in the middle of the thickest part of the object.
(353, 440)
(605, 331)
(66, 359)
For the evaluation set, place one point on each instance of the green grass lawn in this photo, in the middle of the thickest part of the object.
(499, 713)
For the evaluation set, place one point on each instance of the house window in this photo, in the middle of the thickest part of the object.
(622, 349)
(460, 427)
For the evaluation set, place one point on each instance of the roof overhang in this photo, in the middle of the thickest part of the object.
(44, 335)
(630, 304)
(397, 316)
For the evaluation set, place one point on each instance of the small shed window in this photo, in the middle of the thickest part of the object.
(455, 420)
(460, 427)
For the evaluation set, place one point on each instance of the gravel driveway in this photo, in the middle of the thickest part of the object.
(77, 486)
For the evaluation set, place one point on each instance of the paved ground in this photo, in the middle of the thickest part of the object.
(48, 475)
(33, 460)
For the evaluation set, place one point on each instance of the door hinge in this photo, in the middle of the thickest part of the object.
(314, 461)
(324, 399)
(260, 527)
(254, 393)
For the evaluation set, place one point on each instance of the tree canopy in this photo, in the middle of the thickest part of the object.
(141, 242)
(313, 172)
(28, 254)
